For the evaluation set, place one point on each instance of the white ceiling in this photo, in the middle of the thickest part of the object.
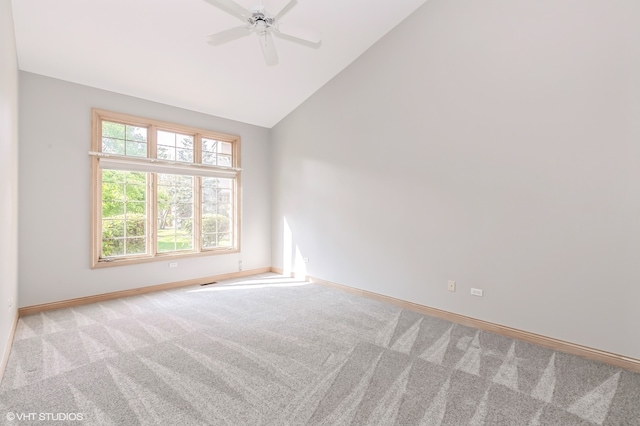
(157, 50)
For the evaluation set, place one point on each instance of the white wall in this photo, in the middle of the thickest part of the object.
(8, 175)
(492, 143)
(55, 123)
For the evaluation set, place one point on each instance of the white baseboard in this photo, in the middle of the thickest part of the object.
(548, 342)
(28, 310)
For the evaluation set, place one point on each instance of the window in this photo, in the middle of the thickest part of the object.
(161, 190)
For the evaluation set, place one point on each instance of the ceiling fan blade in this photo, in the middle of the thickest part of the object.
(304, 36)
(285, 9)
(268, 48)
(228, 35)
(231, 8)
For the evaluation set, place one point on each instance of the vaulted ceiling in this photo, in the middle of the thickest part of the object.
(158, 50)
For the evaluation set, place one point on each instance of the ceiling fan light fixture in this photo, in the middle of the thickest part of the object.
(261, 26)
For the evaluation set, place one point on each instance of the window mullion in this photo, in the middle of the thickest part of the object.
(152, 142)
(152, 206)
(152, 233)
(197, 213)
(235, 213)
(197, 149)
(96, 205)
(197, 196)
(96, 191)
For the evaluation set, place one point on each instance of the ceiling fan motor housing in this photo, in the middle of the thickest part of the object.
(261, 21)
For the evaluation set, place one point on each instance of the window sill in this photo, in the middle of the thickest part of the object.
(160, 257)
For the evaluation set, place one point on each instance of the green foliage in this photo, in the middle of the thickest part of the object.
(123, 139)
(122, 190)
(136, 149)
(123, 131)
(175, 200)
(212, 223)
(215, 229)
(175, 239)
(124, 199)
(113, 130)
(117, 227)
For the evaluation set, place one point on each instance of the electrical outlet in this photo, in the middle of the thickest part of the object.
(239, 265)
(10, 302)
(305, 259)
(451, 285)
(173, 265)
(476, 292)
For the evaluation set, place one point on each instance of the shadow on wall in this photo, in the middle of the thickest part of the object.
(293, 263)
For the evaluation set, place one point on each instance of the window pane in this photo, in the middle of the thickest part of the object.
(208, 158)
(112, 192)
(184, 141)
(209, 145)
(224, 209)
(216, 213)
(210, 182)
(116, 176)
(123, 139)
(224, 240)
(166, 138)
(185, 211)
(224, 160)
(224, 196)
(165, 153)
(175, 212)
(113, 228)
(135, 245)
(211, 150)
(175, 146)
(113, 146)
(113, 130)
(209, 241)
(135, 192)
(136, 227)
(225, 148)
(112, 247)
(185, 155)
(225, 183)
(217, 152)
(209, 208)
(124, 215)
(112, 209)
(136, 149)
(135, 208)
(138, 134)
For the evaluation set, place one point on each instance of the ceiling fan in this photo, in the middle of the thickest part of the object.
(262, 23)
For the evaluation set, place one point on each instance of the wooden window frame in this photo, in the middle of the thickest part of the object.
(152, 125)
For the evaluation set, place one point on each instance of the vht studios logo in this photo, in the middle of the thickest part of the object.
(43, 417)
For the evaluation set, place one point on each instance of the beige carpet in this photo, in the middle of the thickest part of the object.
(273, 351)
